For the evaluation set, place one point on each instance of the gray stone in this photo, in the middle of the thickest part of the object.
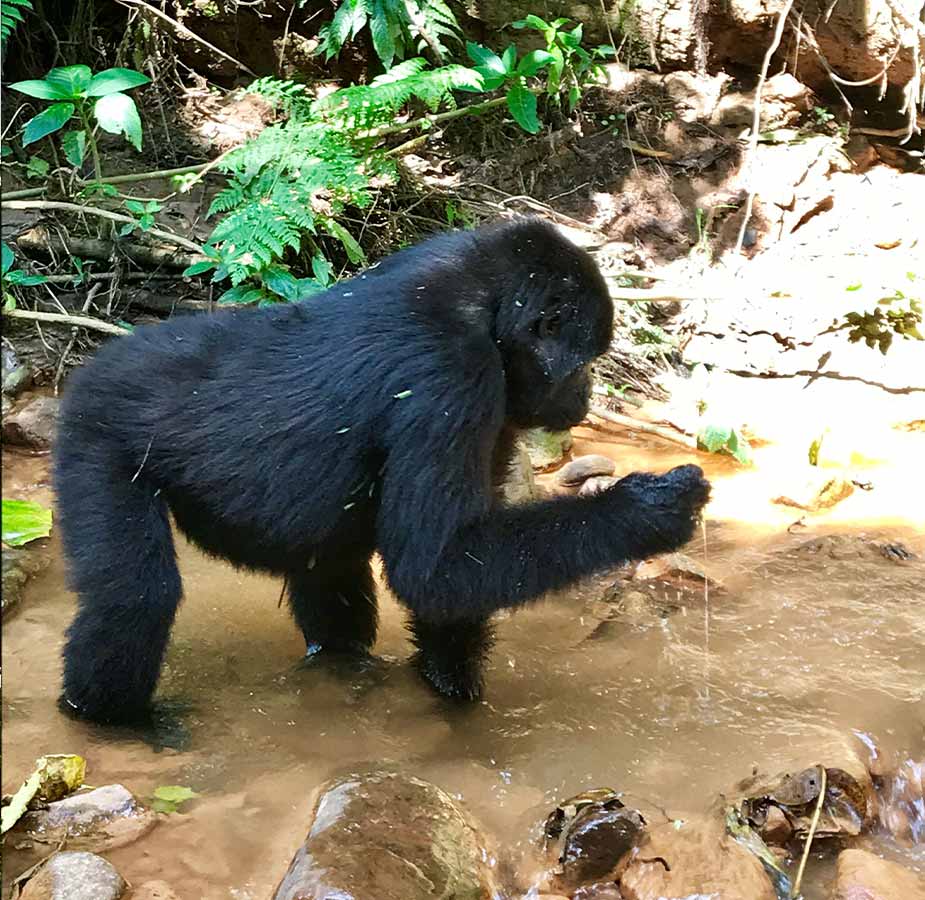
(581, 469)
(17, 375)
(32, 424)
(596, 484)
(19, 566)
(75, 875)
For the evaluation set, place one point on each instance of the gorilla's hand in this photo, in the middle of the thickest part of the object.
(661, 512)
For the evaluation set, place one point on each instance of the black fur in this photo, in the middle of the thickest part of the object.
(300, 439)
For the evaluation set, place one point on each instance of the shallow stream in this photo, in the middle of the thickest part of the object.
(798, 651)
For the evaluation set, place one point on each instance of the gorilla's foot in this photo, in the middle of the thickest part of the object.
(462, 681)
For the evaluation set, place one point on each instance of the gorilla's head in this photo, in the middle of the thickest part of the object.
(553, 316)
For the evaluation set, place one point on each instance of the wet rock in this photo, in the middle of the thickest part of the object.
(672, 565)
(101, 819)
(520, 486)
(546, 448)
(862, 876)
(777, 828)
(19, 566)
(75, 875)
(595, 485)
(579, 470)
(386, 836)
(605, 891)
(853, 546)
(589, 838)
(697, 859)
(849, 805)
(32, 424)
(902, 801)
(154, 890)
(17, 375)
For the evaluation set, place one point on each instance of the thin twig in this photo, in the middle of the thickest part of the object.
(58, 319)
(684, 440)
(436, 118)
(179, 26)
(756, 122)
(103, 214)
(809, 835)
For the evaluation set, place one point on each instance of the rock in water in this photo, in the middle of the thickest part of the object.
(581, 469)
(697, 859)
(385, 836)
(863, 876)
(75, 875)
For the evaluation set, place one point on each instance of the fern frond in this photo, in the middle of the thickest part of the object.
(11, 15)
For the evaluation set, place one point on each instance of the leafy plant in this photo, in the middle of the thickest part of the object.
(24, 521)
(397, 27)
(145, 212)
(11, 277)
(724, 439)
(77, 92)
(11, 15)
(571, 67)
(898, 314)
(169, 797)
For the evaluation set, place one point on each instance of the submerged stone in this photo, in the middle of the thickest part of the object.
(863, 876)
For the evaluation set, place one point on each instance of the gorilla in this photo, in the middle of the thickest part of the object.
(300, 439)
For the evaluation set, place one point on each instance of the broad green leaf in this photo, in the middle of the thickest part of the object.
(322, 269)
(199, 267)
(533, 62)
(135, 206)
(509, 58)
(146, 222)
(118, 114)
(41, 89)
(522, 104)
(111, 80)
(30, 280)
(490, 78)
(281, 281)
(714, 437)
(37, 167)
(531, 21)
(169, 797)
(242, 293)
(73, 80)
(46, 122)
(74, 145)
(574, 95)
(354, 251)
(7, 258)
(485, 58)
(24, 521)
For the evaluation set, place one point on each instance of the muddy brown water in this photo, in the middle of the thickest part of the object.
(798, 650)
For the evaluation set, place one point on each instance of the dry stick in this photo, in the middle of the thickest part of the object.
(122, 179)
(667, 434)
(179, 26)
(809, 835)
(58, 319)
(109, 276)
(94, 290)
(436, 118)
(756, 122)
(103, 214)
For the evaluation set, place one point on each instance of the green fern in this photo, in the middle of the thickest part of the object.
(397, 27)
(11, 15)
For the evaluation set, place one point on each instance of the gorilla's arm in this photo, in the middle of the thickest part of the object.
(451, 557)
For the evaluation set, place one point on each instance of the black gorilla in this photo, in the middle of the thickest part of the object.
(300, 439)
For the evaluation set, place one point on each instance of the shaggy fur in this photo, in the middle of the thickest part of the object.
(301, 438)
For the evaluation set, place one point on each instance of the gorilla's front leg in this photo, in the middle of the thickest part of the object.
(451, 656)
(334, 603)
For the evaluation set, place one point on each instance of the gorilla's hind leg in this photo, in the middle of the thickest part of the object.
(451, 656)
(334, 603)
(122, 564)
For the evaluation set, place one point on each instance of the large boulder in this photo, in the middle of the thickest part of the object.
(75, 875)
(386, 836)
(862, 876)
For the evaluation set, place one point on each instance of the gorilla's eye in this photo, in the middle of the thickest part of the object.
(550, 325)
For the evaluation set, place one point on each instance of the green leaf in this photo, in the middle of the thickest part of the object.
(574, 95)
(322, 269)
(72, 80)
(531, 21)
(146, 222)
(127, 228)
(533, 62)
(714, 437)
(41, 89)
(199, 267)
(522, 104)
(243, 293)
(24, 521)
(383, 41)
(74, 145)
(169, 797)
(37, 168)
(483, 57)
(30, 280)
(111, 80)
(118, 114)
(281, 281)
(135, 206)
(509, 58)
(46, 122)
(7, 257)
(490, 78)
(354, 251)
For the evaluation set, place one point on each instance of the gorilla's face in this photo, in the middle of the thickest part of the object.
(556, 317)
